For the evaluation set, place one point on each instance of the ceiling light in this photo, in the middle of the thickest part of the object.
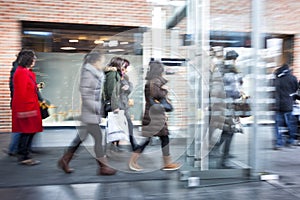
(73, 40)
(41, 33)
(98, 41)
(115, 50)
(124, 43)
(113, 43)
(68, 48)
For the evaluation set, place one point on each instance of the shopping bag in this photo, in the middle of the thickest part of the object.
(116, 127)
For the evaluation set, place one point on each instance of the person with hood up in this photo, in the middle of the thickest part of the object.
(286, 85)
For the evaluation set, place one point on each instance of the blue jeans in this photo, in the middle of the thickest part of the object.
(14, 142)
(285, 119)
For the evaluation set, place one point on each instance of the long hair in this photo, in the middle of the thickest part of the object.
(26, 57)
(116, 62)
(156, 69)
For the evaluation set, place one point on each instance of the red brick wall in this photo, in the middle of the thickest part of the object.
(104, 12)
(234, 15)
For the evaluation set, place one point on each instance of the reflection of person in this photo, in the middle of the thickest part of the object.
(155, 120)
(26, 116)
(286, 84)
(90, 87)
(216, 95)
(232, 83)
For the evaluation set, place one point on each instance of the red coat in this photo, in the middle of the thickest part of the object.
(26, 115)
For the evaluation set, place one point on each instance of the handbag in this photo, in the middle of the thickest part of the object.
(163, 102)
(242, 107)
(44, 110)
(116, 127)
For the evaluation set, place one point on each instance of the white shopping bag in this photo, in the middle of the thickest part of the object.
(116, 127)
(296, 109)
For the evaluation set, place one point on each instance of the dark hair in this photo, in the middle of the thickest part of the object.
(92, 57)
(126, 63)
(231, 55)
(26, 57)
(156, 69)
(116, 62)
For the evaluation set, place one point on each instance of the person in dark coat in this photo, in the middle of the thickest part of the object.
(286, 85)
(13, 145)
(90, 87)
(26, 115)
(154, 122)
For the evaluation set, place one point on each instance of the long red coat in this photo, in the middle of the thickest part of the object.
(26, 115)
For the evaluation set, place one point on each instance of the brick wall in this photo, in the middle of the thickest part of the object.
(229, 15)
(104, 12)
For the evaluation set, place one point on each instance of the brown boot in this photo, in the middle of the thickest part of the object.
(104, 168)
(133, 162)
(63, 163)
(168, 165)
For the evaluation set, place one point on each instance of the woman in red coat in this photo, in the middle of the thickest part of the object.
(26, 116)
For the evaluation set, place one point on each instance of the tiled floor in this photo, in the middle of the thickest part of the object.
(285, 163)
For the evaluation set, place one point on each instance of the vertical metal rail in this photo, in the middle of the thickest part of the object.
(256, 72)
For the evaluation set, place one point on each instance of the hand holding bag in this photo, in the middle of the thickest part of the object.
(117, 127)
(164, 102)
(242, 107)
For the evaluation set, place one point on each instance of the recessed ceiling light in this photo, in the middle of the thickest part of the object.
(115, 50)
(67, 48)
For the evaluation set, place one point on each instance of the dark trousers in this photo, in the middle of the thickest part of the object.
(96, 133)
(24, 146)
(165, 147)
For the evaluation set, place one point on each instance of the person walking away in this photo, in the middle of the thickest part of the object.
(26, 116)
(286, 84)
(91, 81)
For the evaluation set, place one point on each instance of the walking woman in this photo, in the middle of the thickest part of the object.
(91, 81)
(125, 89)
(26, 116)
(155, 120)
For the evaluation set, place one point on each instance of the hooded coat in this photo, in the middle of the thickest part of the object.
(111, 90)
(90, 87)
(286, 84)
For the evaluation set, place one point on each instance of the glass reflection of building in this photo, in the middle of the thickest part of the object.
(185, 52)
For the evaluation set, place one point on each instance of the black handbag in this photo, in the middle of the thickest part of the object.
(44, 110)
(163, 102)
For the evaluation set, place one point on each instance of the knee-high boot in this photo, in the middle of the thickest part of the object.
(63, 162)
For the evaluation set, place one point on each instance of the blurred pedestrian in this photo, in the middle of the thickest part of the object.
(91, 81)
(125, 89)
(111, 90)
(286, 85)
(12, 149)
(154, 121)
(26, 116)
(232, 86)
